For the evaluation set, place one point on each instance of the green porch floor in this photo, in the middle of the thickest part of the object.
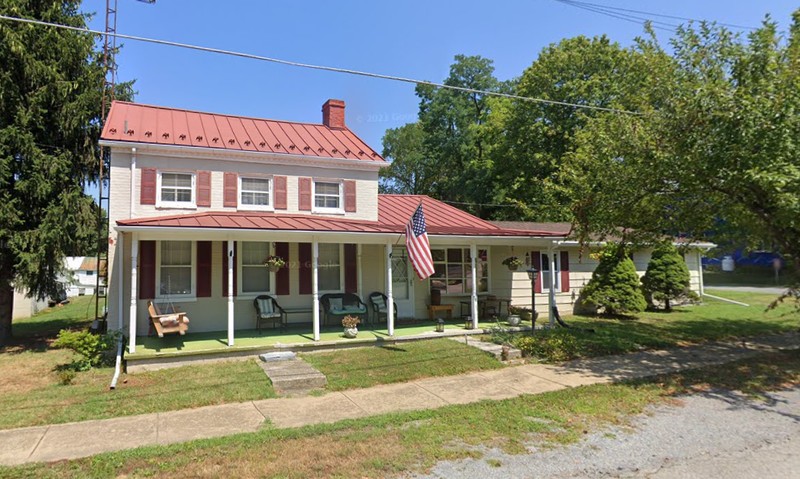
(297, 336)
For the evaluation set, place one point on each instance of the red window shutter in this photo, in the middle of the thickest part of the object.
(280, 192)
(536, 262)
(350, 268)
(230, 190)
(565, 271)
(203, 269)
(304, 257)
(147, 193)
(304, 194)
(147, 269)
(350, 196)
(282, 276)
(203, 188)
(225, 268)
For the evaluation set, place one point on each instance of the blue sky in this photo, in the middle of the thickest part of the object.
(411, 38)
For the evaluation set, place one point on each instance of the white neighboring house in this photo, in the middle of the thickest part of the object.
(81, 275)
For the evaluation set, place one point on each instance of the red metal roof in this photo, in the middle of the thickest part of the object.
(171, 126)
(394, 211)
(442, 218)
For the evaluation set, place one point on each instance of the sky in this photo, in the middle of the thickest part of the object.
(416, 39)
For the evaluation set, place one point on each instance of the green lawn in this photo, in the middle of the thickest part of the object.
(713, 320)
(360, 368)
(403, 443)
(78, 313)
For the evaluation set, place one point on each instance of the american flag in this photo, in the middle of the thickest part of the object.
(419, 249)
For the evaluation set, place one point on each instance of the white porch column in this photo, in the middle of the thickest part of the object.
(358, 269)
(473, 253)
(389, 294)
(134, 283)
(230, 293)
(119, 256)
(315, 285)
(552, 296)
(701, 286)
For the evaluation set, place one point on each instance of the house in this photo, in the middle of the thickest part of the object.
(81, 275)
(199, 200)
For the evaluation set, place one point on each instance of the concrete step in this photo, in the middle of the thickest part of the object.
(496, 350)
(293, 377)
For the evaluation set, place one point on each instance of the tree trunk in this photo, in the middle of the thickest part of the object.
(6, 309)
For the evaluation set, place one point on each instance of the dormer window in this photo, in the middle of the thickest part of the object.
(176, 190)
(328, 197)
(255, 193)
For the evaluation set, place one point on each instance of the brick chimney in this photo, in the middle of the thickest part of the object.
(333, 114)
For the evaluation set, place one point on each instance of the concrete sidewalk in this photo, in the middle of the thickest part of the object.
(81, 439)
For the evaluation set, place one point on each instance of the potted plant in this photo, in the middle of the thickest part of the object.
(274, 263)
(513, 320)
(526, 314)
(513, 263)
(350, 324)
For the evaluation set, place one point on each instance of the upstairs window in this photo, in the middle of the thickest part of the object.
(328, 196)
(176, 190)
(255, 193)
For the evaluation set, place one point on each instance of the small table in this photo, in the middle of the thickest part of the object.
(289, 311)
(434, 308)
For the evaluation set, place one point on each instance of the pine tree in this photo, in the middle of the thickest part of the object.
(667, 276)
(51, 87)
(614, 287)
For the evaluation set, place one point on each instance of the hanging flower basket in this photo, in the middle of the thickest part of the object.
(274, 263)
(513, 263)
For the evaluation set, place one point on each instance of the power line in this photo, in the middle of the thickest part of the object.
(320, 67)
(611, 11)
(619, 15)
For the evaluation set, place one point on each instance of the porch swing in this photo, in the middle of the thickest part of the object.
(165, 318)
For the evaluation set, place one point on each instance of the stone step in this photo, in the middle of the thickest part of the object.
(292, 377)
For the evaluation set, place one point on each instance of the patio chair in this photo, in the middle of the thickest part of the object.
(268, 310)
(164, 322)
(335, 306)
(377, 301)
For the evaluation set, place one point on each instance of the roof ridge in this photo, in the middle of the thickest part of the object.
(228, 115)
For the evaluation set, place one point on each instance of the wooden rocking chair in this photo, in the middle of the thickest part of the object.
(166, 323)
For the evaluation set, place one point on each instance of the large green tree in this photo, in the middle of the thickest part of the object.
(51, 85)
(447, 153)
(716, 142)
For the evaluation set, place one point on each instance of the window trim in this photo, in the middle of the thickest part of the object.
(466, 250)
(557, 282)
(318, 209)
(182, 297)
(190, 205)
(240, 293)
(341, 271)
(244, 207)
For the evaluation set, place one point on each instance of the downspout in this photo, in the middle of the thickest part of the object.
(121, 322)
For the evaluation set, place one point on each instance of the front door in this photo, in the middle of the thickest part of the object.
(402, 286)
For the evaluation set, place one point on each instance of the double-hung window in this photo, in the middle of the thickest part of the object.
(545, 273)
(256, 278)
(255, 193)
(453, 270)
(328, 197)
(175, 268)
(330, 267)
(176, 190)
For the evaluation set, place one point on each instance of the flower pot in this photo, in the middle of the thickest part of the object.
(273, 268)
(526, 315)
(513, 267)
(350, 332)
(513, 320)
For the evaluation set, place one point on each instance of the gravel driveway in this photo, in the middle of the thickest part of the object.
(715, 434)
